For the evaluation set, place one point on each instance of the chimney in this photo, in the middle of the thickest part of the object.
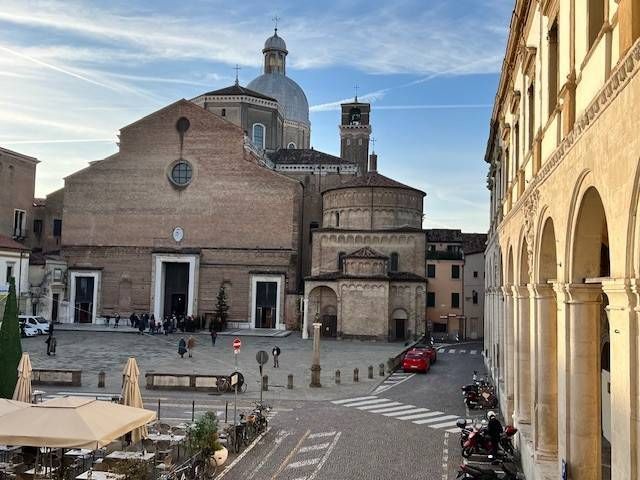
(373, 162)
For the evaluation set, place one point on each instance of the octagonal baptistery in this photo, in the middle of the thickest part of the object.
(372, 202)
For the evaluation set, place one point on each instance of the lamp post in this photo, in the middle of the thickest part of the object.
(315, 363)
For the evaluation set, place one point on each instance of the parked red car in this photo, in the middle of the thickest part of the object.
(416, 361)
(431, 352)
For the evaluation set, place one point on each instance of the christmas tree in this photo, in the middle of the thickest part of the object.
(10, 346)
(221, 309)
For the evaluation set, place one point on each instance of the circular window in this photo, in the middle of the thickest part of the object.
(181, 173)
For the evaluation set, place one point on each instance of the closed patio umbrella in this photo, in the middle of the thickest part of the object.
(71, 422)
(23, 391)
(131, 395)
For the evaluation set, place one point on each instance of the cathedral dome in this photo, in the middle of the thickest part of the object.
(288, 93)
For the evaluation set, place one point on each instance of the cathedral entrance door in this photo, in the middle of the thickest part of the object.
(400, 329)
(83, 303)
(329, 325)
(266, 301)
(176, 288)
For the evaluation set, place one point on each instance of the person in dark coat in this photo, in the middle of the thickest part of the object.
(494, 430)
(141, 325)
(214, 336)
(182, 347)
(132, 320)
(152, 324)
(276, 354)
(51, 344)
(116, 320)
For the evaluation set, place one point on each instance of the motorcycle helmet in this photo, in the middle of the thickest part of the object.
(491, 415)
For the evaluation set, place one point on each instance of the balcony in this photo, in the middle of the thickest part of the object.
(443, 255)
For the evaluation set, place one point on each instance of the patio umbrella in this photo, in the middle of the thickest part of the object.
(132, 397)
(71, 422)
(10, 406)
(23, 391)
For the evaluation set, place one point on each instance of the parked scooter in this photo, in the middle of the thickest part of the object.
(479, 442)
(471, 472)
(485, 397)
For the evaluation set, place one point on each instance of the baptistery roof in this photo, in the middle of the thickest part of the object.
(288, 93)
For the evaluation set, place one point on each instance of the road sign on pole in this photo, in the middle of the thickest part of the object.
(262, 357)
(237, 343)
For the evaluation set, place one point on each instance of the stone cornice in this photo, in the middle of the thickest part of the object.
(620, 76)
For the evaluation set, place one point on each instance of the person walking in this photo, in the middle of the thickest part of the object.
(494, 429)
(141, 325)
(116, 320)
(132, 319)
(51, 344)
(107, 318)
(182, 347)
(191, 343)
(276, 354)
(152, 324)
(214, 336)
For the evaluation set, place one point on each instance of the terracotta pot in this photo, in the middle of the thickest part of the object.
(220, 456)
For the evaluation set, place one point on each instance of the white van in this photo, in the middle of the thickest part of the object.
(39, 323)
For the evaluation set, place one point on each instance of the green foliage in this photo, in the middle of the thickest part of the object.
(203, 434)
(221, 311)
(10, 345)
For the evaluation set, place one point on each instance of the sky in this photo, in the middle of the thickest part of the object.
(73, 72)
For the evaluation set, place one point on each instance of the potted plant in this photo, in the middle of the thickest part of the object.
(202, 436)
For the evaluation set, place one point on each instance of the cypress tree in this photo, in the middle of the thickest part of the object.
(221, 309)
(10, 346)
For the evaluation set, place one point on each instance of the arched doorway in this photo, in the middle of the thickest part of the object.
(590, 263)
(523, 336)
(323, 308)
(399, 322)
(546, 394)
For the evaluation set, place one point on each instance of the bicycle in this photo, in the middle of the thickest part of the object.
(237, 436)
(197, 467)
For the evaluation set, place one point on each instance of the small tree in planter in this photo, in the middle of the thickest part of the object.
(202, 436)
(221, 312)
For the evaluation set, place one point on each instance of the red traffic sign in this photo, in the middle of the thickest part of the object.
(237, 343)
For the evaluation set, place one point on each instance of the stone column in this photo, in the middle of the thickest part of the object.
(583, 409)
(623, 335)
(305, 318)
(315, 362)
(499, 340)
(523, 357)
(508, 352)
(546, 372)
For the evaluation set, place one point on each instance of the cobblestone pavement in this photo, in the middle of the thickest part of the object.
(94, 352)
(364, 437)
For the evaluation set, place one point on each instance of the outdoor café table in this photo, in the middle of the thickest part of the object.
(42, 471)
(5, 451)
(98, 475)
(122, 455)
(79, 452)
(166, 437)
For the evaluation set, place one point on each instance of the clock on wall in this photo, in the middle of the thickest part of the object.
(178, 234)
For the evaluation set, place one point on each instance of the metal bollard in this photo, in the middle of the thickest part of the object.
(226, 410)
(290, 381)
(101, 377)
(370, 371)
(381, 369)
(337, 377)
(355, 375)
(265, 383)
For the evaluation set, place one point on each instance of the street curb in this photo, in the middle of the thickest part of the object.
(395, 360)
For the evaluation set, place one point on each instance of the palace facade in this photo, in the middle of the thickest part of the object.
(563, 256)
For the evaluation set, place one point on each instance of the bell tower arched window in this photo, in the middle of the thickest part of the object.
(341, 256)
(337, 219)
(354, 116)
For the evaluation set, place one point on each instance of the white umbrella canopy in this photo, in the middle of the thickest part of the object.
(132, 397)
(71, 422)
(23, 391)
(10, 406)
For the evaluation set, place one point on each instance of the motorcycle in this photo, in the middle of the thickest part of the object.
(485, 397)
(466, 430)
(471, 472)
(479, 442)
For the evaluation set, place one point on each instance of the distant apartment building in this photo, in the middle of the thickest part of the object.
(454, 287)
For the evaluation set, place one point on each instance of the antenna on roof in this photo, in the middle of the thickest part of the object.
(276, 19)
(356, 87)
(237, 69)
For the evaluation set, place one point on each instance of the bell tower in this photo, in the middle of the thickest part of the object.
(355, 131)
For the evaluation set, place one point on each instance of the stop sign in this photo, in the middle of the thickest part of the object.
(237, 343)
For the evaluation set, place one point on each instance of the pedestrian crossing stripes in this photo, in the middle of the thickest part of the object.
(459, 351)
(403, 412)
(394, 379)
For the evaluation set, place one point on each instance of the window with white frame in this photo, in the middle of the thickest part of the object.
(258, 135)
(19, 223)
(291, 145)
